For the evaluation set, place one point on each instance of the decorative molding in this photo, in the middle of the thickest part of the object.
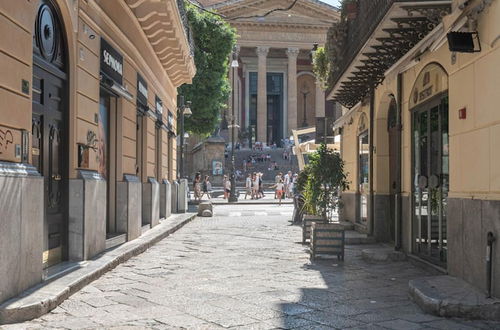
(262, 51)
(292, 52)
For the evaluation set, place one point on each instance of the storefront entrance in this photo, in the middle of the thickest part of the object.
(107, 154)
(363, 171)
(394, 158)
(49, 127)
(430, 166)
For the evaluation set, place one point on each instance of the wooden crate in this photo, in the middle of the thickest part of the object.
(327, 238)
(306, 225)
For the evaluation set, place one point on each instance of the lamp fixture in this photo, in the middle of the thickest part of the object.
(234, 62)
(187, 109)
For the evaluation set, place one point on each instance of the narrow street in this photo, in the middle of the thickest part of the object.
(245, 268)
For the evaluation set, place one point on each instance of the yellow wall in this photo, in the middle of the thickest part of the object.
(82, 19)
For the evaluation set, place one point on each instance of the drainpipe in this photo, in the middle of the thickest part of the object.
(372, 147)
(490, 238)
(399, 213)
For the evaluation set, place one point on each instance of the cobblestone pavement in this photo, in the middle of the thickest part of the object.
(246, 272)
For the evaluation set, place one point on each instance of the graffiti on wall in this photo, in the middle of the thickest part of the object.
(6, 138)
(10, 144)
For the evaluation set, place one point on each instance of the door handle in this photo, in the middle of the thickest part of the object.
(56, 177)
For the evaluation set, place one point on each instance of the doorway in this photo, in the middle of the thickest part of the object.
(107, 155)
(431, 178)
(274, 108)
(49, 128)
(363, 177)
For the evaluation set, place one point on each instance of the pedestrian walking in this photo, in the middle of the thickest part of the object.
(279, 190)
(261, 189)
(224, 180)
(277, 179)
(248, 186)
(227, 189)
(197, 186)
(207, 187)
(255, 188)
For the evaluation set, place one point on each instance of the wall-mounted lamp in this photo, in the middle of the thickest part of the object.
(463, 42)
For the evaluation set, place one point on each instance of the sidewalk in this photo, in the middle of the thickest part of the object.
(47, 295)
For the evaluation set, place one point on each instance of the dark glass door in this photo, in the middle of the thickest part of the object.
(274, 108)
(107, 154)
(431, 179)
(363, 177)
(49, 128)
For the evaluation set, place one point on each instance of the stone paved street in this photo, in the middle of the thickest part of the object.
(246, 272)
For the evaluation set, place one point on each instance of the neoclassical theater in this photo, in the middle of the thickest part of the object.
(275, 88)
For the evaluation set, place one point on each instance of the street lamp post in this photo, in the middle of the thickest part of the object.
(183, 110)
(234, 65)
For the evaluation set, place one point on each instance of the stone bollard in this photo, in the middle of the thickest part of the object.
(182, 200)
(205, 209)
(174, 190)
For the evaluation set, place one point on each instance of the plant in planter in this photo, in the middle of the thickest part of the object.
(324, 180)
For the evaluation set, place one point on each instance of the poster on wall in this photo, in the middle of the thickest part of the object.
(217, 167)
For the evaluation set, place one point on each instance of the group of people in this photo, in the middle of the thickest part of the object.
(253, 186)
(285, 185)
(201, 187)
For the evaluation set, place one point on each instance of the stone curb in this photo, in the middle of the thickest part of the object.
(44, 297)
(447, 296)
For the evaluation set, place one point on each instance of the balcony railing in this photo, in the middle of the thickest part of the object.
(187, 29)
(417, 19)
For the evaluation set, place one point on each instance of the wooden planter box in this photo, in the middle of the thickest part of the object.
(307, 221)
(327, 238)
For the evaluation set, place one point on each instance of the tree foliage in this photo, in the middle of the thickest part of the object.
(323, 179)
(214, 40)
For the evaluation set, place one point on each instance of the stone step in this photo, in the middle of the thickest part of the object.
(448, 296)
(355, 238)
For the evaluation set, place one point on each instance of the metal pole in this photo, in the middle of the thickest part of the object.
(232, 196)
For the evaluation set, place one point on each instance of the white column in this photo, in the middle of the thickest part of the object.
(292, 88)
(320, 100)
(262, 94)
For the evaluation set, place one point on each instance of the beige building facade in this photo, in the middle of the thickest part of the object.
(419, 140)
(275, 88)
(87, 127)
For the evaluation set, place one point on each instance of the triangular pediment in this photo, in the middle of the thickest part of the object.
(304, 12)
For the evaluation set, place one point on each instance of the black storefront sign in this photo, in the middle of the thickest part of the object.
(111, 62)
(142, 92)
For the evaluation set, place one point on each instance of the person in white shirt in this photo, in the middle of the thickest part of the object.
(280, 186)
(286, 182)
(248, 186)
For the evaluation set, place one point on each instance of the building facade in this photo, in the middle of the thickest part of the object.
(275, 88)
(419, 138)
(87, 127)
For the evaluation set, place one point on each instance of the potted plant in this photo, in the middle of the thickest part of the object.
(325, 180)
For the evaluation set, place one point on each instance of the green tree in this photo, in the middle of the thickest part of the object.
(214, 40)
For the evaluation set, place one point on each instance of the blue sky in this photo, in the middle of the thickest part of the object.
(332, 2)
